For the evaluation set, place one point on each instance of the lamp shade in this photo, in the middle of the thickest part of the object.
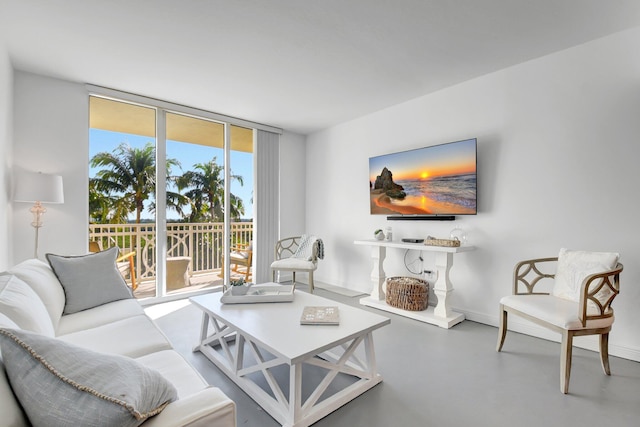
(38, 187)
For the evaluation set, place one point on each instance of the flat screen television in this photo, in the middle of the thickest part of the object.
(439, 180)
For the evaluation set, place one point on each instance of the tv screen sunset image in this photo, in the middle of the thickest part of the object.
(436, 180)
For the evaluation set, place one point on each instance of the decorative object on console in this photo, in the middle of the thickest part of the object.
(407, 293)
(38, 188)
(378, 234)
(459, 234)
(432, 241)
(314, 315)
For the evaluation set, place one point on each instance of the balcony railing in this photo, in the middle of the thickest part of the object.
(202, 242)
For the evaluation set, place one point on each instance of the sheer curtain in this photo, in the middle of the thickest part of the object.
(267, 202)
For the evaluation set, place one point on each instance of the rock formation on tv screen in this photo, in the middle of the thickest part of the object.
(384, 182)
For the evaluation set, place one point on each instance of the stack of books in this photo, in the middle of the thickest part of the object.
(328, 315)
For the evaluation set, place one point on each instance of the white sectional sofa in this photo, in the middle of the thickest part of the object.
(32, 298)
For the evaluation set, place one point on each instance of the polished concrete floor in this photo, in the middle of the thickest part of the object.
(439, 377)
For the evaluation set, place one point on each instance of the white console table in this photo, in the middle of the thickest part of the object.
(441, 315)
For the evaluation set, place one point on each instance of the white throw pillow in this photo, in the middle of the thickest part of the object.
(59, 384)
(305, 249)
(22, 305)
(575, 266)
(89, 280)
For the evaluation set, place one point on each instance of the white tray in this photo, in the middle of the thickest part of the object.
(260, 293)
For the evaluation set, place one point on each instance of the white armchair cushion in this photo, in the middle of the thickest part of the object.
(560, 312)
(23, 306)
(575, 266)
(293, 264)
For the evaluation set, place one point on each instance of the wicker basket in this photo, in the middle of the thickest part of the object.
(407, 293)
(431, 241)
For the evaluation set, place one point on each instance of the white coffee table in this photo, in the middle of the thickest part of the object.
(272, 335)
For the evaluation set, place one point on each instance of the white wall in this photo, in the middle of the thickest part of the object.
(6, 136)
(557, 167)
(51, 135)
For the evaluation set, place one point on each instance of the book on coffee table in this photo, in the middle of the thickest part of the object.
(320, 315)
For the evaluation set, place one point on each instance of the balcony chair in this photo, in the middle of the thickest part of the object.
(299, 253)
(241, 255)
(584, 286)
(125, 263)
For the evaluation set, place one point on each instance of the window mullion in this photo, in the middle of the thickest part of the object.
(161, 202)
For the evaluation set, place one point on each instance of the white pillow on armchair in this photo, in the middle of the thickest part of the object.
(575, 266)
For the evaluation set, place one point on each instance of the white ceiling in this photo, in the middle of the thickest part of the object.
(301, 65)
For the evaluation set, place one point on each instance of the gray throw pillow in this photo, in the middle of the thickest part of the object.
(60, 384)
(89, 280)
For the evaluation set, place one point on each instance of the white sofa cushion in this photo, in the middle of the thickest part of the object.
(40, 277)
(59, 384)
(574, 266)
(5, 322)
(23, 306)
(89, 280)
(133, 337)
(99, 316)
(176, 370)
(206, 408)
(560, 312)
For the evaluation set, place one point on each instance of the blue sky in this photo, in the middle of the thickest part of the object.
(187, 155)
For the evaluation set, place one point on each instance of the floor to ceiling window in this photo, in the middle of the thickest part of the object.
(160, 189)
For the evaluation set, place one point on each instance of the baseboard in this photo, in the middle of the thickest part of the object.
(517, 324)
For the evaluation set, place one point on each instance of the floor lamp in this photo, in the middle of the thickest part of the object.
(38, 188)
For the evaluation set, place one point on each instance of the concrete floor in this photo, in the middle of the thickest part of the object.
(439, 377)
